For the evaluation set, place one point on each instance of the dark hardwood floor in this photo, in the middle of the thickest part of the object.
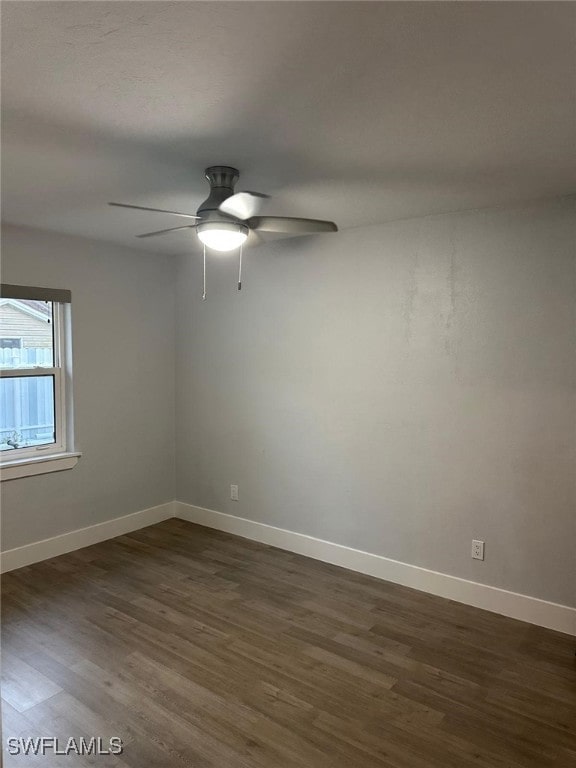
(202, 649)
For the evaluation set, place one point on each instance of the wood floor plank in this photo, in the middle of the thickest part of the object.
(204, 650)
(22, 685)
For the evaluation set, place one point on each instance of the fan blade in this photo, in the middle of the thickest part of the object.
(164, 231)
(242, 205)
(290, 226)
(254, 239)
(156, 210)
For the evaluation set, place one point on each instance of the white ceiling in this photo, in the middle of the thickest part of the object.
(357, 112)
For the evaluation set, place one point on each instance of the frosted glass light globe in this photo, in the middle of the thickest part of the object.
(222, 236)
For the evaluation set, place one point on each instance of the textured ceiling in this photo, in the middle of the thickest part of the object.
(358, 112)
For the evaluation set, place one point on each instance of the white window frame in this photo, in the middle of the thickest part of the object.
(52, 457)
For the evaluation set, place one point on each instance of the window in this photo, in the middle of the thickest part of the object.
(35, 380)
(9, 342)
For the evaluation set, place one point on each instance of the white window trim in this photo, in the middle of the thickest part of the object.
(38, 465)
(54, 457)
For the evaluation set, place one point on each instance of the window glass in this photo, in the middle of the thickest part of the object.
(27, 412)
(27, 329)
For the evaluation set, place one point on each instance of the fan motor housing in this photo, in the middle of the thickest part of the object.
(222, 179)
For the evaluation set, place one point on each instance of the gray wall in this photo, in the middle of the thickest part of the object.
(123, 340)
(402, 389)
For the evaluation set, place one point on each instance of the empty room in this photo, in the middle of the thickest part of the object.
(288, 391)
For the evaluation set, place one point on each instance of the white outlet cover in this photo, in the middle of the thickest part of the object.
(477, 549)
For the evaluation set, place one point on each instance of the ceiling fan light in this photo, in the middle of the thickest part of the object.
(222, 236)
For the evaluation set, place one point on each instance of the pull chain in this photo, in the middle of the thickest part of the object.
(204, 276)
(240, 269)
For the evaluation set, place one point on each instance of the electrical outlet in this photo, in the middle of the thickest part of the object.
(477, 549)
(234, 492)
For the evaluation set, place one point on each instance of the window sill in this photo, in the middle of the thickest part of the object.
(38, 465)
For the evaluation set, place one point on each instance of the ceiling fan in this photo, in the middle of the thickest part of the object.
(225, 218)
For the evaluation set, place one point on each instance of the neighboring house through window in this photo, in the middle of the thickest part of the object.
(35, 382)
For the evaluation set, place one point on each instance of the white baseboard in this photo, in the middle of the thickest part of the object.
(531, 609)
(517, 606)
(83, 537)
